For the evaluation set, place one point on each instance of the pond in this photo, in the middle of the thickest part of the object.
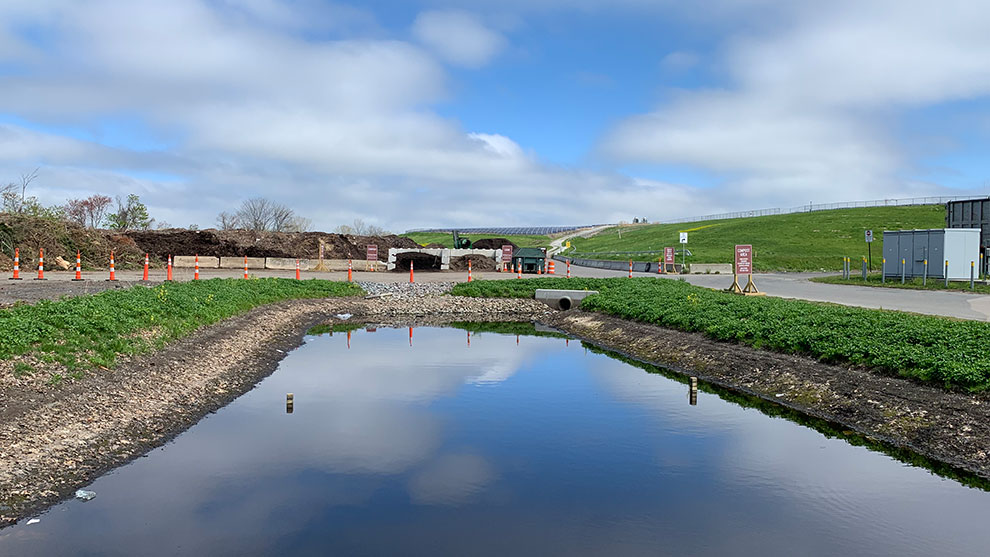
(448, 442)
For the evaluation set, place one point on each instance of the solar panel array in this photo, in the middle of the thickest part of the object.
(507, 230)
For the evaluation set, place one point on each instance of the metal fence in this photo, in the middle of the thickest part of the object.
(811, 207)
(507, 230)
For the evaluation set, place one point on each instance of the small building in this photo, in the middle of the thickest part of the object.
(531, 259)
(908, 250)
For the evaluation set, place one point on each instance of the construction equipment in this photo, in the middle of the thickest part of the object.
(461, 243)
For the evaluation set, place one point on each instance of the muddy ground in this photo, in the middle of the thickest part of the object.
(54, 440)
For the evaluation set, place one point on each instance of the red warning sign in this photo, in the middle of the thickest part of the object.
(507, 253)
(372, 253)
(744, 260)
(668, 256)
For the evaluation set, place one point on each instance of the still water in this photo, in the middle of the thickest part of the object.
(503, 445)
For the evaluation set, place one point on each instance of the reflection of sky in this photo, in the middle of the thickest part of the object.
(501, 448)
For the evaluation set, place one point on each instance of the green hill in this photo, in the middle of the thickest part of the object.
(447, 239)
(796, 242)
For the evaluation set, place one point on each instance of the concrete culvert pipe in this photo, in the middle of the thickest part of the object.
(564, 303)
(562, 299)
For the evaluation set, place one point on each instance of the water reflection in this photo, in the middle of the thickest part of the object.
(480, 445)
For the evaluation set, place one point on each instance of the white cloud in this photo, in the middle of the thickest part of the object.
(458, 37)
(810, 108)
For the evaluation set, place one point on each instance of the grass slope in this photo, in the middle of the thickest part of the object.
(447, 239)
(89, 331)
(942, 351)
(910, 284)
(796, 242)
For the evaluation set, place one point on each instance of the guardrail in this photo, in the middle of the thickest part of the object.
(508, 230)
(811, 207)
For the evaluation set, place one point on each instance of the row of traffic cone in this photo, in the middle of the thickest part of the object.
(113, 270)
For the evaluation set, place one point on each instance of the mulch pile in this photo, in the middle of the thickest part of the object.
(492, 243)
(478, 263)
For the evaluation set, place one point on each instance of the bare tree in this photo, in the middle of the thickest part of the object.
(360, 228)
(88, 212)
(259, 215)
(14, 195)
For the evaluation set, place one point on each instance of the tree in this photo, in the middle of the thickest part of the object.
(262, 215)
(360, 228)
(15, 198)
(130, 215)
(88, 212)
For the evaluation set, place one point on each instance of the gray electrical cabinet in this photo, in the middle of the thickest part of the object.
(971, 213)
(908, 250)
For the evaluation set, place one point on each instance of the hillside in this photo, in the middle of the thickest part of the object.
(796, 242)
(446, 239)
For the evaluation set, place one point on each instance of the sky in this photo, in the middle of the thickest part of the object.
(494, 112)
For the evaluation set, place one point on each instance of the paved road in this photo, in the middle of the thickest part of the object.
(786, 285)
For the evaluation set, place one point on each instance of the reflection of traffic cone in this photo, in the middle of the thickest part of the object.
(410, 282)
(348, 340)
(410, 336)
(297, 269)
(196, 268)
(469, 339)
(17, 265)
(168, 274)
(113, 275)
(41, 265)
(145, 277)
(78, 266)
(469, 276)
(568, 268)
(245, 268)
(350, 271)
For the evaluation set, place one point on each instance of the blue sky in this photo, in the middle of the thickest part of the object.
(485, 112)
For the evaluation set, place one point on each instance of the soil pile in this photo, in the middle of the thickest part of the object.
(240, 243)
(478, 263)
(420, 261)
(492, 243)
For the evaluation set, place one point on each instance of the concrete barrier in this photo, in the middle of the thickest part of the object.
(711, 268)
(189, 261)
(285, 264)
(238, 263)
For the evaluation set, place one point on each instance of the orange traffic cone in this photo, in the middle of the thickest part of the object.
(350, 272)
(539, 268)
(469, 275)
(297, 269)
(168, 273)
(78, 266)
(245, 268)
(410, 282)
(553, 267)
(630, 268)
(17, 265)
(41, 265)
(568, 268)
(145, 277)
(113, 274)
(196, 268)
(518, 270)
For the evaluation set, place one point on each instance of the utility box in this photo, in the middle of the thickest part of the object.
(531, 260)
(907, 250)
(971, 213)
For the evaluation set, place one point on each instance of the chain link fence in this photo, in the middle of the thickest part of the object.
(811, 207)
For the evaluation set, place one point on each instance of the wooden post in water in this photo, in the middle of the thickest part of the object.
(289, 403)
(693, 394)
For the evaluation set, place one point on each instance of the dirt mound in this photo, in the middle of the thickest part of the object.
(492, 243)
(239, 243)
(478, 263)
(420, 261)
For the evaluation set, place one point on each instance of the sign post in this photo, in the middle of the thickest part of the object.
(372, 257)
(744, 266)
(869, 248)
(320, 265)
(683, 251)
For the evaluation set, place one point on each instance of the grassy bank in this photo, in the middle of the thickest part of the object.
(796, 242)
(447, 239)
(909, 284)
(951, 353)
(91, 331)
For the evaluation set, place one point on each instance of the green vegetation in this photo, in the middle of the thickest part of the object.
(447, 240)
(952, 353)
(91, 331)
(796, 242)
(526, 288)
(909, 284)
